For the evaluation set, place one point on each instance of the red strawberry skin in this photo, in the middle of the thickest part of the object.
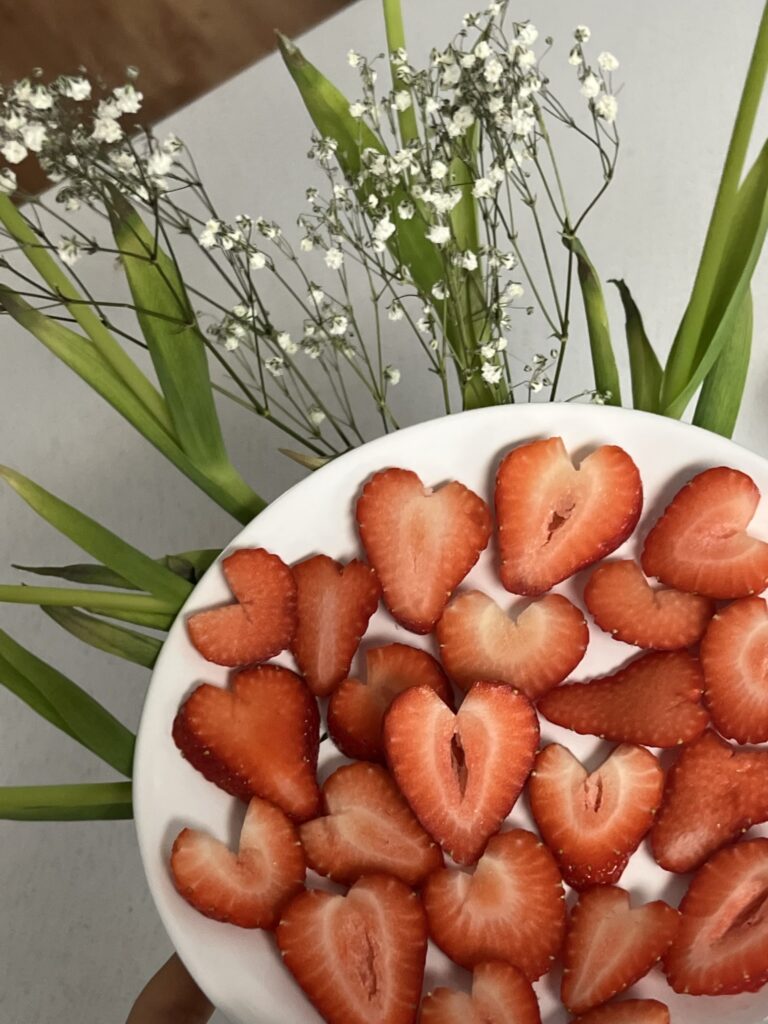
(511, 908)
(334, 605)
(422, 542)
(555, 519)
(360, 957)
(535, 652)
(264, 585)
(622, 602)
(367, 827)
(356, 710)
(461, 773)
(593, 822)
(631, 1011)
(734, 656)
(722, 945)
(611, 945)
(700, 543)
(247, 888)
(501, 994)
(713, 793)
(654, 700)
(261, 738)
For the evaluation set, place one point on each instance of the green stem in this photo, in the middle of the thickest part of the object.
(393, 20)
(87, 802)
(74, 597)
(686, 350)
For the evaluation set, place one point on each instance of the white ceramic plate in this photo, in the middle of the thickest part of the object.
(240, 970)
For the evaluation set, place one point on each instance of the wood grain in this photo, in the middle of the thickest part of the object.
(182, 48)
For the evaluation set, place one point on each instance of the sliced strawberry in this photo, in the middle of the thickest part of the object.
(533, 652)
(611, 945)
(360, 957)
(594, 822)
(368, 827)
(260, 738)
(501, 994)
(247, 888)
(555, 519)
(356, 710)
(655, 700)
(631, 1011)
(421, 541)
(461, 773)
(722, 945)
(713, 793)
(734, 656)
(511, 908)
(263, 621)
(335, 603)
(624, 604)
(701, 544)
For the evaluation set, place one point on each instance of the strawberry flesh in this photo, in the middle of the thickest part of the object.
(631, 1011)
(593, 822)
(261, 738)
(510, 908)
(334, 605)
(654, 700)
(367, 827)
(247, 888)
(461, 773)
(734, 656)
(555, 519)
(533, 653)
(622, 602)
(713, 793)
(700, 543)
(359, 958)
(610, 945)
(356, 709)
(422, 542)
(501, 994)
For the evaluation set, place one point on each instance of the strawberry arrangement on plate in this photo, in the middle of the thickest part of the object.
(415, 829)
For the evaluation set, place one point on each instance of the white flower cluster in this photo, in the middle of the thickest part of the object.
(595, 84)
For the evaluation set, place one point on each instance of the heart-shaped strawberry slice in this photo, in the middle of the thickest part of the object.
(422, 542)
(260, 738)
(461, 773)
(533, 652)
(555, 519)
(263, 621)
(501, 994)
(247, 888)
(510, 908)
(368, 827)
(360, 957)
(593, 822)
(628, 1011)
(701, 544)
(356, 709)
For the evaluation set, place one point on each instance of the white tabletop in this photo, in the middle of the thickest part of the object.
(79, 933)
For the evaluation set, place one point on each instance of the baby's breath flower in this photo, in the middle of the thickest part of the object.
(575, 57)
(7, 181)
(70, 250)
(508, 260)
(14, 122)
(439, 234)
(590, 86)
(286, 343)
(424, 324)
(431, 106)
(438, 170)
(122, 160)
(451, 76)
(383, 230)
(439, 290)
(257, 260)
(464, 117)
(469, 260)
(34, 135)
(581, 34)
(106, 129)
(402, 100)
(491, 374)
(209, 236)
(128, 99)
(316, 294)
(338, 325)
(275, 365)
(316, 415)
(501, 344)
(77, 89)
(483, 188)
(395, 311)
(482, 50)
(357, 109)
(493, 71)
(353, 58)
(306, 244)
(525, 58)
(40, 98)
(607, 61)
(159, 163)
(512, 291)
(468, 60)
(391, 375)
(607, 107)
(488, 351)
(13, 151)
(334, 258)
(527, 34)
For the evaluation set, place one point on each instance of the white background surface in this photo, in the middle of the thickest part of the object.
(78, 935)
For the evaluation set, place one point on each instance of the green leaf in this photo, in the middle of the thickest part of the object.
(393, 21)
(104, 636)
(718, 406)
(150, 620)
(99, 542)
(603, 359)
(19, 685)
(227, 489)
(311, 462)
(94, 801)
(83, 717)
(104, 601)
(643, 362)
(740, 254)
(190, 565)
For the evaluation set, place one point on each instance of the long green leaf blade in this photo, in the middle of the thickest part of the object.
(99, 542)
(86, 720)
(718, 406)
(94, 801)
(104, 601)
(149, 620)
(393, 22)
(190, 565)
(21, 687)
(644, 364)
(603, 360)
(104, 636)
